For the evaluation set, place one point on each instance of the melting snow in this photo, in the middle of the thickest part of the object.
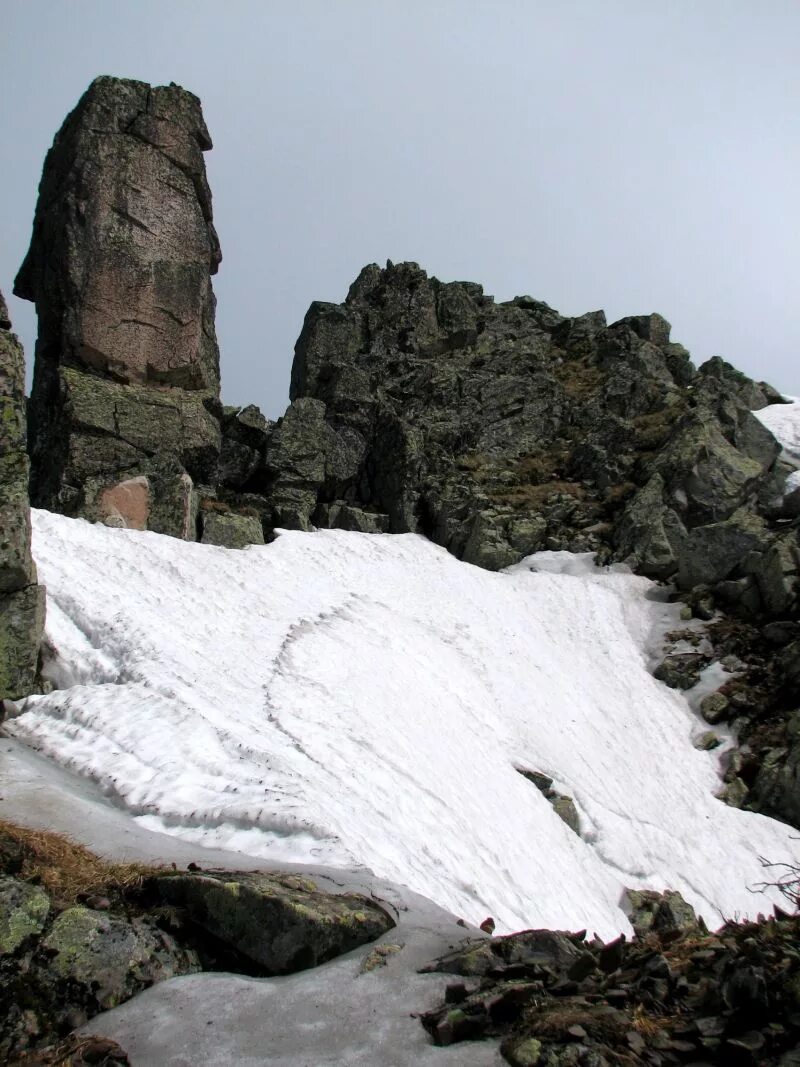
(363, 700)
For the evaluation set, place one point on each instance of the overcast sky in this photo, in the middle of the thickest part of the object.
(630, 155)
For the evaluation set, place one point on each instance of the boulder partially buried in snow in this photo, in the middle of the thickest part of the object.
(280, 922)
(231, 529)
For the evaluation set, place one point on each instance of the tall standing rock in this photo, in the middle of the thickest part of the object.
(126, 375)
(21, 599)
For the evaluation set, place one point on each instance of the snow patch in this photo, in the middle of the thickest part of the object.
(363, 700)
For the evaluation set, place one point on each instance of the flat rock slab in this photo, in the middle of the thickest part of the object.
(281, 922)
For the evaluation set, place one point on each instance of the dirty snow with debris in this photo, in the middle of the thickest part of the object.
(367, 700)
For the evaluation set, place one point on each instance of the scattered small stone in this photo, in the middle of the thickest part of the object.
(707, 741)
(714, 707)
(379, 956)
(681, 996)
(680, 670)
(735, 793)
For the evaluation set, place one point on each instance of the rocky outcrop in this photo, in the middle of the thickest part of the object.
(22, 601)
(675, 994)
(500, 429)
(126, 375)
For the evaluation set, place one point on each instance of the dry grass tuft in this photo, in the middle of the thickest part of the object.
(75, 1051)
(209, 504)
(67, 870)
(534, 496)
(649, 1025)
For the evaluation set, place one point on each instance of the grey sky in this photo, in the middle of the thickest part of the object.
(634, 156)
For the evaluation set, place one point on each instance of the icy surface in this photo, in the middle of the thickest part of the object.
(328, 1016)
(362, 700)
(783, 420)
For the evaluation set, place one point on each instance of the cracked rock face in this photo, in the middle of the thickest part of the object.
(501, 429)
(21, 599)
(120, 267)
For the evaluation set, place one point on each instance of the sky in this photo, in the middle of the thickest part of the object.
(627, 155)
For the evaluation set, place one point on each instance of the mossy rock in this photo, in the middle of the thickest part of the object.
(231, 530)
(21, 625)
(112, 957)
(23, 912)
(281, 923)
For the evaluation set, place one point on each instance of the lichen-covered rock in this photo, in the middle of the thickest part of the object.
(650, 535)
(282, 923)
(566, 810)
(754, 395)
(112, 958)
(22, 615)
(119, 267)
(500, 429)
(554, 950)
(776, 790)
(23, 912)
(245, 433)
(712, 552)
(112, 433)
(344, 517)
(776, 570)
(61, 966)
(660, 913)
(714, 708)
(156, 494)
(231, 530)
(680, 670)
(21, 599)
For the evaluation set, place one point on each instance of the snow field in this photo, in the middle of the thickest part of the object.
(354, 699)
(783, 420)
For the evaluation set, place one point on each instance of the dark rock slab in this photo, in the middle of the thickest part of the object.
(282, 923)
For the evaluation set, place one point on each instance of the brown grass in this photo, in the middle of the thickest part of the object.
(532, 496)
(649, 1025)
(652, 430)
(579, 378)
(209, 504)
(616, 495)
(69, 871)
(74, 1051)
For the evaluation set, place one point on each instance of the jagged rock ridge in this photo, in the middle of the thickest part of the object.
(500, 429)
(22, 601)
(126, 382)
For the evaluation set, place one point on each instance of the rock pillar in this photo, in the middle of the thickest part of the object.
(126, 374)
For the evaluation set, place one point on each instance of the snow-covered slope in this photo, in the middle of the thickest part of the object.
(364, 700)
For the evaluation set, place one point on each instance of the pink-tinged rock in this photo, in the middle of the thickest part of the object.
(126, 504)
